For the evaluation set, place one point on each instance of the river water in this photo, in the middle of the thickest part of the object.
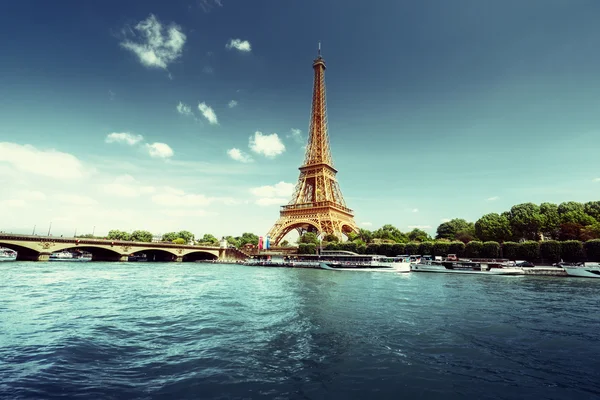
(209, 331)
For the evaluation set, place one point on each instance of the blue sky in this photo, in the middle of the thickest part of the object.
(436, 110)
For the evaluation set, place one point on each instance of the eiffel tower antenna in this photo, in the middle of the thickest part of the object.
(317, 204)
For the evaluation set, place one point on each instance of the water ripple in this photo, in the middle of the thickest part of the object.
(152, 331)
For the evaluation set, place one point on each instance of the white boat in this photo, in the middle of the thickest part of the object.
(364, 263)
(7, 255)
(583, 270)
(68, 256)
(465, 267)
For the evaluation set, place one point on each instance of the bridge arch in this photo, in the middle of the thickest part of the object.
(24, 253)
(199, 255)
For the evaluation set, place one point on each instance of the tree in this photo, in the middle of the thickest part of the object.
(390, 232)
(570, 231)
(246, 238)
(493, 227)
(590, 232)
(141, 236)
(232, 241)
(418, 235)
(592, 208)
(525, 220)
(285, 243)
(208, 239)
(179, 241)
(448, 230)
(116, 234)
(365, 235)
(309, 237)
(550, 222)
(186, 235)
(331, 238)
(169, 236)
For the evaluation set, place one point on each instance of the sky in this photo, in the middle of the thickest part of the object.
(193, 114)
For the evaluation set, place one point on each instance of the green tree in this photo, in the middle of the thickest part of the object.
(418, 235)
(118, 235)
(365, 235)
(550, 222)
(390, 232)
(570, 231)
(207, 238)
(141, 236)
(179, 241)
(525, 220)
(246, 238)
(330, 238)
(169, 236)
(232, 241)
(186, 235)
(285, 243)
(457, 248)
(309, 237)
(493, 227)
(592, 208)
(411, 248)
(449, 230)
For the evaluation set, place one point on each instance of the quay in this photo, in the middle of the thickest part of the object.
(39, 248)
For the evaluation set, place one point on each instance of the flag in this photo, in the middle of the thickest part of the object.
(260, 242)
(267, 242)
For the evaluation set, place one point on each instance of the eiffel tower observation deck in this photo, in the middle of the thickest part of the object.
(317, 204)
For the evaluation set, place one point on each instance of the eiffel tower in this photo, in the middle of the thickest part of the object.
(317, 204)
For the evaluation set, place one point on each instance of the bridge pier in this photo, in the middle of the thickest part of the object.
(179, 259)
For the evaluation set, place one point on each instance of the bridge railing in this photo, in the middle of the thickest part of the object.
(83, 241)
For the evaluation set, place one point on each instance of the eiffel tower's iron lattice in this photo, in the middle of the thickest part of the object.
(317, 204)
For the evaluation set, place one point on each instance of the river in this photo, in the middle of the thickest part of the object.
(210, 331)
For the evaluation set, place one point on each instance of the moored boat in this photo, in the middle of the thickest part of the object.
(466, 267)
(68, 256)
(7, 255)
(582, 270)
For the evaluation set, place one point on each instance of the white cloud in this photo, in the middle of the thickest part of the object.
(48, 163)
(184, 109)
(415, 210)
(159, 150)
(208, 113)
(124, 137)
(207, 5)
(155, 150)
(366, 224)
(127, 186)
(419, 226)
(34, 195)
(445, 220)
(596, 179)
(156, 49)
(275, 194)
(296, 134)
(75, 199)
(232, 104)
(267, 145)
(239, 44)
(239, 155)
(492, 198)
(281, 189)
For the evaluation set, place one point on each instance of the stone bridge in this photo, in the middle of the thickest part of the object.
(39, 248)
